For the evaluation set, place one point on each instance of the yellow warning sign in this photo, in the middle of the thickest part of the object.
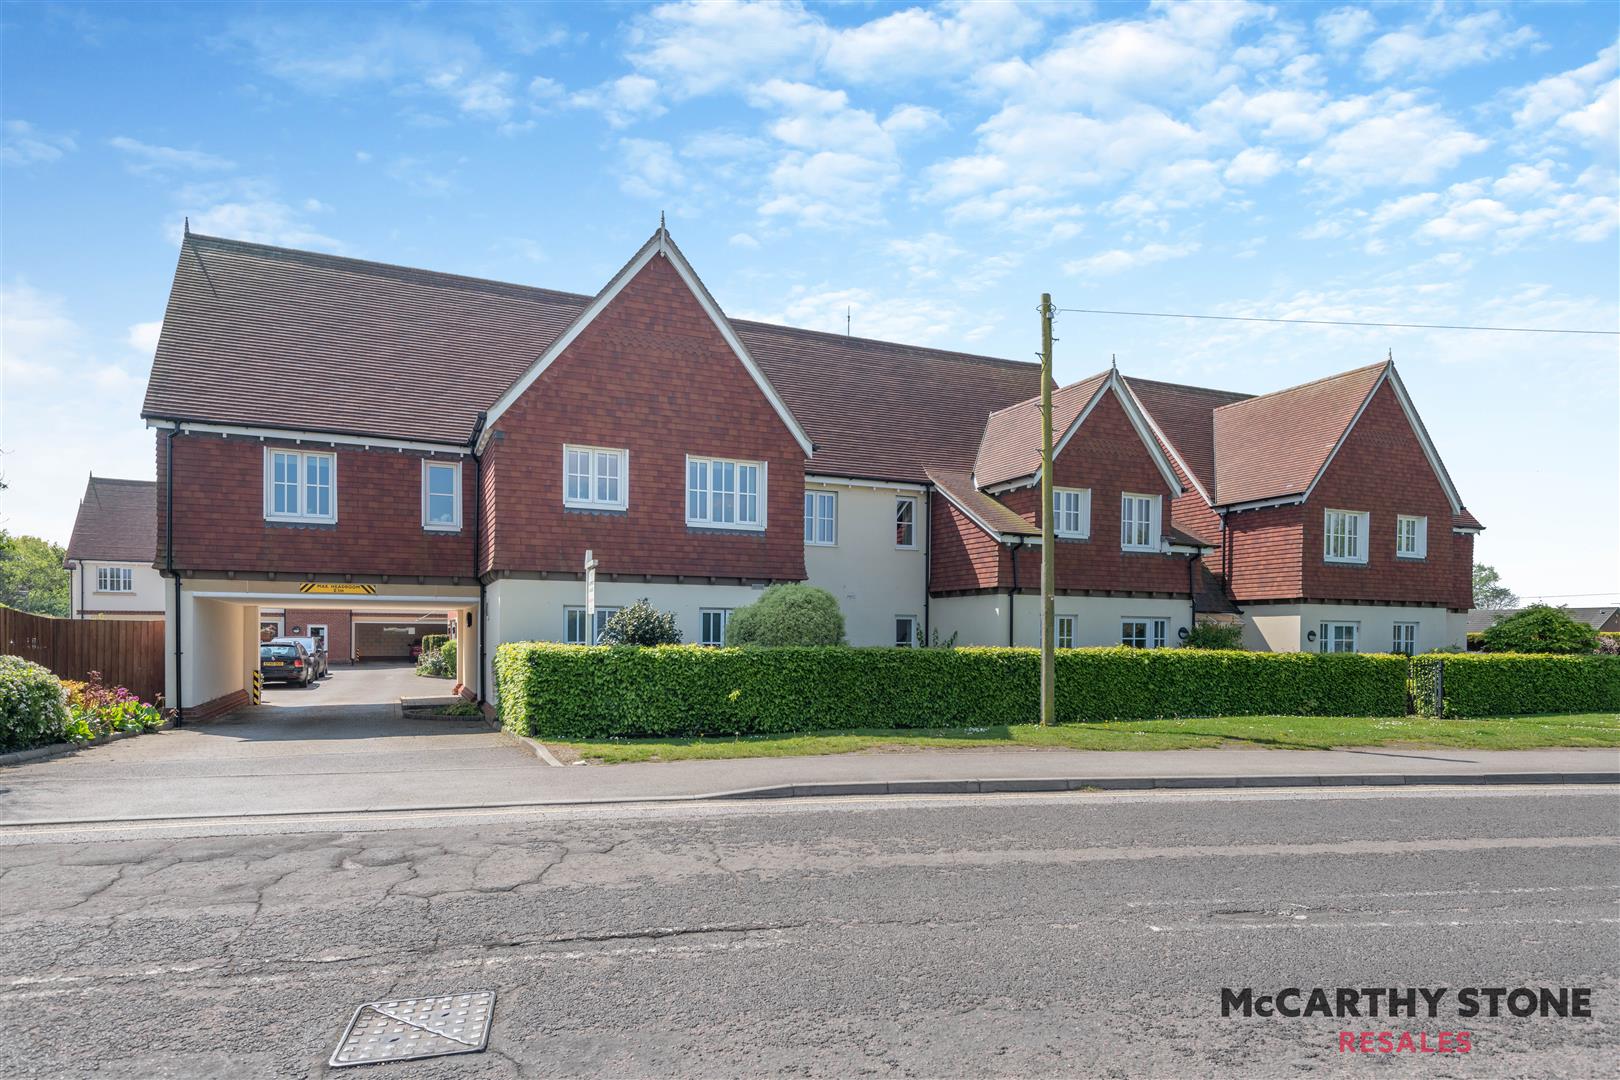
(333, 588)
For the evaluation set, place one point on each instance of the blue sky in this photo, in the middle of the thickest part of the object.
(929, 169)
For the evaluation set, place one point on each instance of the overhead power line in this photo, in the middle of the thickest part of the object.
(1346, 322)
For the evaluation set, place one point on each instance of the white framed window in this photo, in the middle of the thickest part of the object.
(725, 494)
(1063, 632)
(1138, 522)
(712, 623)
(821, 518)
(905, 521)
(1405, 638)
(596, 478)
(905, 631)
(1071, 513)
(1344, 536)
(574, 624)
(1141, 633)
(115, 579)
(1411, 536)
(441, 495)
(1338, 637)
(300, 485)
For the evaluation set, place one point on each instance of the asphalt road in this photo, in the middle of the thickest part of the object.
(1064, 935)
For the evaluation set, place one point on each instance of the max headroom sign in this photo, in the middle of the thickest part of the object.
(1431, 1003)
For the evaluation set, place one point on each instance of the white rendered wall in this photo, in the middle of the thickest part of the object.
(982, 620)
(148, 595)
(872, 578)
(1283, 627)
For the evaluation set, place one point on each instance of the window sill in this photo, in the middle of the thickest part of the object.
(738, 530)
(1077, 539)
(303, 523)
(1140, 550)
(1344, 562)
(1412, 558)
(807, 543)
(449, 530)
(597, 508)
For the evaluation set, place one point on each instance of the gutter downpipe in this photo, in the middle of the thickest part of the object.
(168, 565)
(478, 541)
(1192, 590)
(1012, 594)
(928, 554)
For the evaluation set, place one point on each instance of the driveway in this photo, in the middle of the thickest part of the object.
(339, 745)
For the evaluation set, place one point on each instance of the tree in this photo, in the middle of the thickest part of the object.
(1541, 629)
(640, 624)
(788, 615)
(32, 577)
(1489, 592)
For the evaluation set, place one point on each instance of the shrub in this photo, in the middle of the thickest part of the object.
(640, 624)
(577, 692)
(96, 709)
(433, 642)
(788, 615)
(1214, 636)
(439, 664)
(1608, 643)
(33, 705)
(1540, 629)
(1504, 684)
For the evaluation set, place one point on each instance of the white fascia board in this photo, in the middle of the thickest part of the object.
(1467, 530)
(1166, 444)
(1011, 485)
(658, 245)
(1138, 422)
(1416, 424)
(300, 435)
(1260, 504)
(856, 482)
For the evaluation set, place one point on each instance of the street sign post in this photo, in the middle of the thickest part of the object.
(590, 597)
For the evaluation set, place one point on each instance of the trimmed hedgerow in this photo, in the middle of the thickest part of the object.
(1507, 684)
(580, 692)
(433, 642)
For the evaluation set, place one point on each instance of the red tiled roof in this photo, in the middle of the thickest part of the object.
(1274, 445)
(1464, 520)
(117, 521)
(1184, 415)
(391, 352)
(1011, 447)
(1002, 520)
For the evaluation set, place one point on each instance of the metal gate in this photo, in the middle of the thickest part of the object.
(1428, 686)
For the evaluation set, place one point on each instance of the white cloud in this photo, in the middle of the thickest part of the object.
(1411, 145)
(744, 241)
(1254, 165)
(906, 120)
(148, 158)
(919, 43)
(1599, 122)
(828, 188)
(1524, 180)
(36, 334)
(650, 169)
(1556, 96)
(1416, 52)
(622, 101)
(25, 144)
(915, 320)
(1120, 260)
(143, 337)
(1343, 27)
(250, 209)
(697, 47)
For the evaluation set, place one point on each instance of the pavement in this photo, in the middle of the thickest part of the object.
(343, 746)
(1073, 934)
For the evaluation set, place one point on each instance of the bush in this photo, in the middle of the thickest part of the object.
(96, 709)
(1608, 643)
(1214, 636)
(1541, 629)
(1504, 684)
(788, 615)
(439, 664)
(433, 642)
(33, 705)
(640, 624)
(578, 692)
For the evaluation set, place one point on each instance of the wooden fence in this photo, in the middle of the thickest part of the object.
(128, 654)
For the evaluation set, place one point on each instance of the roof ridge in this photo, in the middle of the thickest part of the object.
(1055, 391)
(1239, 394)
(834, 336)
(395, 269)
(119, 480)
(1304, 385)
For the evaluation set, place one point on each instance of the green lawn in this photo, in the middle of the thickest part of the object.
(1266, 732)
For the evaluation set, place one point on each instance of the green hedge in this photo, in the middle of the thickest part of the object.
(1505, 684)
(434, 642)
(33, 705)
(581, 692)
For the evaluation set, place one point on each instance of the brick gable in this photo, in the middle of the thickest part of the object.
(653, 375)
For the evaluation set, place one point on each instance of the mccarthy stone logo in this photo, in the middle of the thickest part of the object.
(1466, 1003)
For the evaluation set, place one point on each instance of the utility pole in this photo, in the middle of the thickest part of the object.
(1048, 541)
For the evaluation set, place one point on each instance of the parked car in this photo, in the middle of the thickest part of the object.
(316, 647)
(286, 661)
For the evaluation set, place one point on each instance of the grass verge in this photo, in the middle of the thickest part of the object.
(1254, 732)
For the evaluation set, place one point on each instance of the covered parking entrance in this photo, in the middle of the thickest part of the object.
(217, 624)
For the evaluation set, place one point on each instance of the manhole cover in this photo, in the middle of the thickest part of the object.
(412, 1028)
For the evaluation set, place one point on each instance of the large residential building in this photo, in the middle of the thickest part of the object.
(109, 557)
(418, 441)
